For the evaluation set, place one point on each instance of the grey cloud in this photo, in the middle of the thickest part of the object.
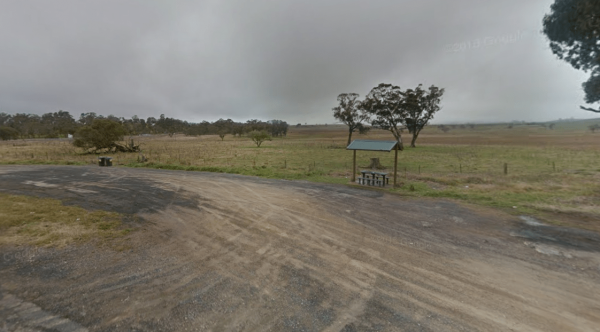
(202, 60)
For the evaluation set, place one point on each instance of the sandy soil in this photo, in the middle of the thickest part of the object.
(218, 252)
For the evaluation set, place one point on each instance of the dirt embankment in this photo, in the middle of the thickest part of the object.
(230, 253)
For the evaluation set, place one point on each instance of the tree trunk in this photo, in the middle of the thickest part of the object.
(375, 164)
(398, 137)
(400, 145)
(349, 136)
(414, 139)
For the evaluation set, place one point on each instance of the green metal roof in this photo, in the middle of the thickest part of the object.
(372, 145)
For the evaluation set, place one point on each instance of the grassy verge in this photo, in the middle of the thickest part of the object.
(46, 222)
(42, 162)
(261, 171)
(562, 199)
(550, 173)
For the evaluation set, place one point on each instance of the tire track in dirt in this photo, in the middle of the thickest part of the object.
(25, 316)
(283, 214)
(228, 253)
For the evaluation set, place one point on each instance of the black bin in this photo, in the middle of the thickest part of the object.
(108, 161)
(101, 161)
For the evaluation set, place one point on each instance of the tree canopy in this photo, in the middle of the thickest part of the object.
(393, 108)
(384, 102)
(61, 123)
(349, 113)
(101, 134)
(420, 107)
(573, 29)
(258, 137)
(7, 133)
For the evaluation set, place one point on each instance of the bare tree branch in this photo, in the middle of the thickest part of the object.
(590, 109)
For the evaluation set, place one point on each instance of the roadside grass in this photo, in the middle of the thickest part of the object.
(46, 222)
(548, 171)
(43, 162)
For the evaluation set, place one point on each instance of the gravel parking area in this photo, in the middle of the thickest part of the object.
(221, 252)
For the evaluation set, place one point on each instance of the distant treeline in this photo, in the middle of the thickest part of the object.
(61, 123)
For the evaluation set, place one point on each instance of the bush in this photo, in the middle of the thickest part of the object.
(7, 133)
(259, 136)
(101, 134)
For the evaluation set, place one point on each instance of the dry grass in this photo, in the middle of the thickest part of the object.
(549, 171)
(46, 222)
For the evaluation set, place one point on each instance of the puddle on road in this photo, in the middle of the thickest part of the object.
(531, 221)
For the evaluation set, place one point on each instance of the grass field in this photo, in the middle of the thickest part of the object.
(552, 174)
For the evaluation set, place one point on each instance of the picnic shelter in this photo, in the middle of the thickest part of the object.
(373, 145)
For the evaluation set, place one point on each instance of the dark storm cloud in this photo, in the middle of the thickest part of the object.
(289, 60)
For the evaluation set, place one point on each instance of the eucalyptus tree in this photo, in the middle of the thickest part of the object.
(350, 113)
(385, 103)
(573, 29)
(420, 107)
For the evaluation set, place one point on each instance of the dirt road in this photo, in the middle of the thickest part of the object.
(217, 252)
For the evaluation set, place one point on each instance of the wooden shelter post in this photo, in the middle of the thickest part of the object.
(354, 167)
(395, 164)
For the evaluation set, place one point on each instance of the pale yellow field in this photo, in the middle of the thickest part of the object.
(553, 174)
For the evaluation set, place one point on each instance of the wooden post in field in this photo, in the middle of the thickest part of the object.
(505, 168)
(395, 165)
(354, 168)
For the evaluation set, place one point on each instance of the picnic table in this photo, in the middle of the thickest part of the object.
(373, 178)
(104, 161)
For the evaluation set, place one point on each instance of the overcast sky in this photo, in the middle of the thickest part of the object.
(205, 60)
